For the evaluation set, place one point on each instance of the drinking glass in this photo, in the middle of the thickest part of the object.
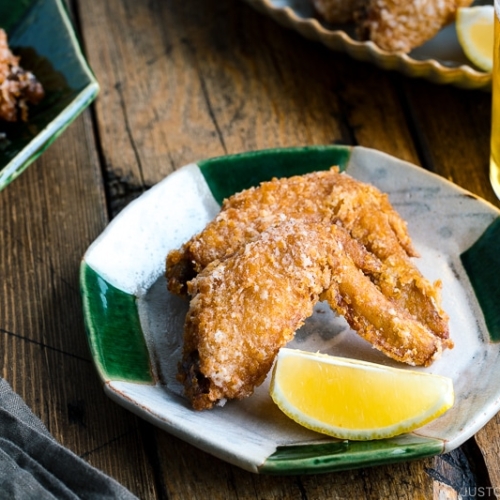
(495, 110)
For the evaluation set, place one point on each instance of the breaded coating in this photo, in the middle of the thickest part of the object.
(256, 271)
(330, 196)
(244, 216)
(400, 26)
(249, 305)
(395, 26)
(370, 218)
(18, 88)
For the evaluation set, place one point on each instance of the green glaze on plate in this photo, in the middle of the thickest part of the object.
(482, 262)
(135, 326)
(230, 174)
(114, 331)
(11, 11)
(41, 34)
(346, 455)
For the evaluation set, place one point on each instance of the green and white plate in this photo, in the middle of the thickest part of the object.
(135, 326)
(41, 33)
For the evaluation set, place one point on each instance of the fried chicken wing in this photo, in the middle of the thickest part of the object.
(249, 305)
(368, 215)
(398, 26)
(393, 25)
(330, 196)
(246, 214)
(256, 271)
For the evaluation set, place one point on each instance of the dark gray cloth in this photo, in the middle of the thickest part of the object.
(34, 465)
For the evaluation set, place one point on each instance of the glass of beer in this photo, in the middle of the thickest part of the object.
(495, 110)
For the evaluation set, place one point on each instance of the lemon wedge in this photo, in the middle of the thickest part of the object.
(475, 34)
(357, 400)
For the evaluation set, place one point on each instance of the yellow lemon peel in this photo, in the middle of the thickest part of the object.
(351, 399)
(475, 34)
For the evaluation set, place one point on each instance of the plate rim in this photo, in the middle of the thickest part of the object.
(276, 464)
(463, 76)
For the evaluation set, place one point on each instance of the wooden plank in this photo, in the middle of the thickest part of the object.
(190, 475)
(213, 79)
(452, 129)
(183, 81)
(50, 215)
(487, 440)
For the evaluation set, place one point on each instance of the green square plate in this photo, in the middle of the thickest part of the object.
(135, 326)
(40, 32)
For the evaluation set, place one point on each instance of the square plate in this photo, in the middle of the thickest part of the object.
(135, 325)
(40, 32)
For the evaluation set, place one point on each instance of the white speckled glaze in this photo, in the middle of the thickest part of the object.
(133, 255)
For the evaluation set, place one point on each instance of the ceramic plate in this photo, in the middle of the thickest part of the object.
(41, 33)
(440, 60)
(135, 326)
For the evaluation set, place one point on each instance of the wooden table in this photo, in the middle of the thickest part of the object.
(181, 81)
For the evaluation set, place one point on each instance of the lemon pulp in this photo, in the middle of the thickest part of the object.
(475, 34)
(353, 399)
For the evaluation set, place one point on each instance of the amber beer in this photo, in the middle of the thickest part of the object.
(495, 111)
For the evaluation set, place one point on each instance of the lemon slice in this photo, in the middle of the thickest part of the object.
(351, 399)
(475, 34)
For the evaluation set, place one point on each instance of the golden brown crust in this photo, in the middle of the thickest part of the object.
(393, 25)
(255, 272)
(369, 217)
(246, 307)
(326, 195)
(398, 26)
(246, 214)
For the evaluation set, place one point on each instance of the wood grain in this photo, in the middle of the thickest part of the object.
(50, 216)
(182, 81)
